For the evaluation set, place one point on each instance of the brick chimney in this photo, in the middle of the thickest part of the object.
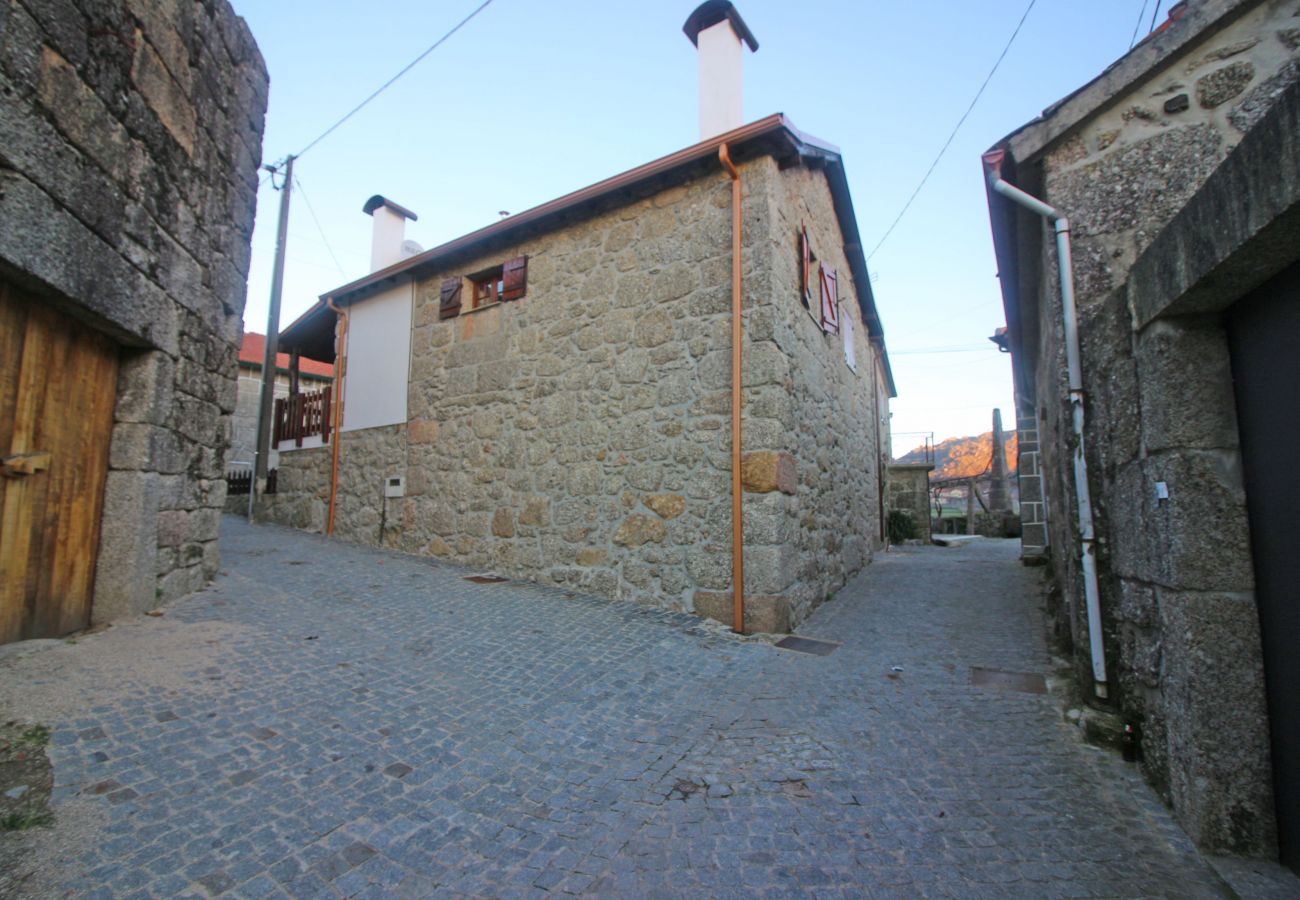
(719, 32)
(389, 231)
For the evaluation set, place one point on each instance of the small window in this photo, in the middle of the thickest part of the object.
(488, 287)
(508, 281)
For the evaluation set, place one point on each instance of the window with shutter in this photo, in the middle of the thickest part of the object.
(830, 301)
(449, 298)
(514, 278)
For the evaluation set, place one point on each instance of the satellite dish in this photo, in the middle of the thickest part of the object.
(411, 248)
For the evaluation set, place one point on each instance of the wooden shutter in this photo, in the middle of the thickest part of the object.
(830, 301)
(449, 306)
(805, 249)
(514, 278)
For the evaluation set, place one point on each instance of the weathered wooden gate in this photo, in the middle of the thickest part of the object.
(58, 383)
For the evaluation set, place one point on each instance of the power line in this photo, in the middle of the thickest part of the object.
(1154, 13)
(333, 256)
(383, 87)
(957, 128)
(1138, 24)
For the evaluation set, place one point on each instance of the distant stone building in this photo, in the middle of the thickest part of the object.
(312, 376)
(550, 397)
(130, 136)
(1177, 171)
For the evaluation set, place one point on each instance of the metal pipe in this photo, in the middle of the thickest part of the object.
(1087, 535)
(737, 330)
(340, 370)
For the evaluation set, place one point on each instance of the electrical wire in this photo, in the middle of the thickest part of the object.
(1138, 24)
(956, 128)
(321, 230)
(383, 87)
(1154, 13)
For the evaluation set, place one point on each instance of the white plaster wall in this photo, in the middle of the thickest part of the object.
(379, 360)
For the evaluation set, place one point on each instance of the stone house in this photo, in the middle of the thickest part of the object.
(311, 374)
(130, 136)
(550, 397)
(1172, 182)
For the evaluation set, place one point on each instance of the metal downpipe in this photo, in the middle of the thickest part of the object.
(340, 370)
(1070, 315)
(737, 329)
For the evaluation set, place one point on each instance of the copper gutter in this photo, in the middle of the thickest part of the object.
(737, 329)
(340, 368)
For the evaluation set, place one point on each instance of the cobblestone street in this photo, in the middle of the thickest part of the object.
(330, 720)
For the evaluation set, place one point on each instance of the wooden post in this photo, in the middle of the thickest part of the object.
(264, 410)
(970, 506)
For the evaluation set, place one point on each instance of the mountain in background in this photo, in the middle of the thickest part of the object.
(964, 457)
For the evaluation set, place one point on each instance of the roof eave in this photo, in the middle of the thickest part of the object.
(1032, 138)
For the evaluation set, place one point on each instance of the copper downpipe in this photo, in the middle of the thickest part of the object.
(340, 368)
(737, 329)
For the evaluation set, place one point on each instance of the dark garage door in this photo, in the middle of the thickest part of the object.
(1264, 334)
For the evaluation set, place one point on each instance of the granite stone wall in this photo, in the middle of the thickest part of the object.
(130, 136)
(833, 419)
(580, 436)
(1180, 624)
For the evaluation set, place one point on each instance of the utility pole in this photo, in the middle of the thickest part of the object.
(267, 399)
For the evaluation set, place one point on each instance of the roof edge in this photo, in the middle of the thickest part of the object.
(1160, 47)
(805, 145)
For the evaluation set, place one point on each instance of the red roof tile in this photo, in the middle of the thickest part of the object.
(253, 351)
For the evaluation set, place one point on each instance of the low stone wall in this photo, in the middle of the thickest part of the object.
(130, 138)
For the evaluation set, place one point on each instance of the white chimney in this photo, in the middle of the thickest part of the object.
(717, 29)
(389, 231)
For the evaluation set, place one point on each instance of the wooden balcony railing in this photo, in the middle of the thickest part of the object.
(302, 415)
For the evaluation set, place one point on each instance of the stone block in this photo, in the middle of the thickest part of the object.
(422, 431)
(668, 506)
(145, 385)
(592, 556)
(503, 523)
(1186, 386)
(1216, 720)
(164, 96)
(764, 613)
(1221, 85)
(126, 571)
(654, 328)
(770, 569)
(537, 511)
(638, 529)
(1198, 538)
(763, 471)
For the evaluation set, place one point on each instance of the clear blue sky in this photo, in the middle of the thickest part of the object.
(534, 99)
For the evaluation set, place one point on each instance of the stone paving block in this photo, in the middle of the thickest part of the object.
(513, 739)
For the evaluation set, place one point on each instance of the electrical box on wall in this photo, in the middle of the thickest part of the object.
(395, 486)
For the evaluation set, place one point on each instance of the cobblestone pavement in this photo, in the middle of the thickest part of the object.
(373, 725)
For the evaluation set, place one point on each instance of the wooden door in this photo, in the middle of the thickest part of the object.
(58, 383)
